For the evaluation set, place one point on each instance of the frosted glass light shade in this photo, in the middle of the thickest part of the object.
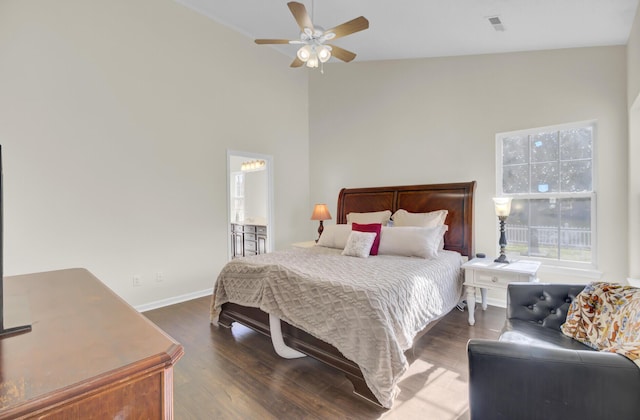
(312, 61)
(503, 205)
(304, 53)
(324, 54)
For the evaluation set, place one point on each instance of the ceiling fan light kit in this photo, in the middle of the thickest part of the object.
(314, 51)
(312, 54)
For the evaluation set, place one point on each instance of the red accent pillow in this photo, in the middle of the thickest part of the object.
(372, 227)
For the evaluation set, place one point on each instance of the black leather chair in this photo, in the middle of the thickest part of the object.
(536, 372)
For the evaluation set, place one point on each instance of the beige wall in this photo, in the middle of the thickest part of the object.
(633, 97)
(634, 191)
(435, 120)
(633, 59)
(115, 119)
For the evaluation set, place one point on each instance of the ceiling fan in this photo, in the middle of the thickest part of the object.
(313, 39)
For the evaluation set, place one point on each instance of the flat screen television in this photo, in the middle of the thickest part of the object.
(4, 332)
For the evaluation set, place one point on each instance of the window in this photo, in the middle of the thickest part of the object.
(549, 174)
(237, 194)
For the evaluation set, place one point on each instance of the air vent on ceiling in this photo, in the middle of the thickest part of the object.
(496, 23)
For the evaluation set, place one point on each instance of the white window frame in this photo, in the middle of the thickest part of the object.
(588, 267)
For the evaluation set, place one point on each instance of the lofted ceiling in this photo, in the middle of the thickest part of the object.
(403, 29)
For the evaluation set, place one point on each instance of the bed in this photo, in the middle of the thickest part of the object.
(288, 277)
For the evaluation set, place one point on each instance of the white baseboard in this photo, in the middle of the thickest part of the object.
(173, 300)
(500, 303)
(633, 282)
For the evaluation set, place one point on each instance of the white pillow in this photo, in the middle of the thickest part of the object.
(430, 219)
(359, 244)
(371, 217)
(411, 241)
(335, 236)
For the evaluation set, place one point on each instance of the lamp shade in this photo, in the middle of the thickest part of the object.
(304, 53)
(503, 205)
(324, 53)
(320, 212)
(312, 62)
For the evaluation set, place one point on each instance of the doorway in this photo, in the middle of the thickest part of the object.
(249, 203)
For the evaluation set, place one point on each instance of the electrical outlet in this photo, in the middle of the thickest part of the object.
(137, 281)
(159, 277)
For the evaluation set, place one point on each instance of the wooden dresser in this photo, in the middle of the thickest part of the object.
(89, 355)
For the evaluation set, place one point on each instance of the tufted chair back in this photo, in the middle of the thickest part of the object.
(542, 303)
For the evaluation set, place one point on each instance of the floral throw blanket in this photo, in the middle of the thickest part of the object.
(606, 317)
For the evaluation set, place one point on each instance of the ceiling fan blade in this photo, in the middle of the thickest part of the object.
(355, 25)
(297, 63)
(300, 14)
(342, 54)
(272, 41)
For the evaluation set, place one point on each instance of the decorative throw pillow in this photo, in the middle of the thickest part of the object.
(411, 241)
(371, 227)
(335, 236)
(359, 244)
(381, 217)
(606, 317)
(430, 219)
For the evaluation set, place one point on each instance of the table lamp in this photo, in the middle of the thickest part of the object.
(320, 212)
(503, 208)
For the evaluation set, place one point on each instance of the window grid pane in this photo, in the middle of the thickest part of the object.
(550, 228)
(544, 147)
(544, 177)
(576, 143)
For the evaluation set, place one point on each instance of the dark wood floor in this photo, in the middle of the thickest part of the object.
(235, 374)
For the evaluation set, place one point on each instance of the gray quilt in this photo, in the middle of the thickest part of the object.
(368, 308)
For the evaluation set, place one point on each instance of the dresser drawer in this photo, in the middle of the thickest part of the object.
(261, 230)
(249, 228)
(249, 236)
(493, 280)
(249, 245)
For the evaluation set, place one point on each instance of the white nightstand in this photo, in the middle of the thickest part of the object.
(484, 273)
(308, 244)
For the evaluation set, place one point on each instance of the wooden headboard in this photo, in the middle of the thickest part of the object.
(456, 197)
